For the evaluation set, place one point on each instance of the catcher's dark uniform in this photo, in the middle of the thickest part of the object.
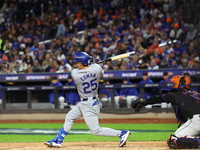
(185, 103)
(186, 106)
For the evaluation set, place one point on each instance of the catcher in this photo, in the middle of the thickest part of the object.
(186, 104)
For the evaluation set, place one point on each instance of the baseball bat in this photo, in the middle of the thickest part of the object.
(121, 56)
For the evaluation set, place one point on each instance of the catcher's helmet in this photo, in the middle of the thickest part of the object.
(180, 81)
(82, 57)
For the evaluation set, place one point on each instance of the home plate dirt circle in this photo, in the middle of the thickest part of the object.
(131, 145)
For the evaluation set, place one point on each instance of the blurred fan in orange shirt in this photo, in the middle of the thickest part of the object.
(153, 47)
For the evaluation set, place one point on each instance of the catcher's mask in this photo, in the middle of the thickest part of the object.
(180, 81)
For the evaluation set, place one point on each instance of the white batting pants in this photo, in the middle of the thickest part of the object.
(191, 128)
(90, 114)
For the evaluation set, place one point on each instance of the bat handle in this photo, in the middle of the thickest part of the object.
(100, 62)
(109, 59)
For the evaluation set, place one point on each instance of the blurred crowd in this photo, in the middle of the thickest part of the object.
(42, 35)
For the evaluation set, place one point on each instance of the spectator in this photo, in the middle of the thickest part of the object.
(105, 67)
(191, 61)
(36, 66)
(61, 29)
(142, 64)
(178, 48)
(168, 48)
(65, 66)
(129, 94)
(22, 47)
(191, 32)
(175, 32)
(28, 59)
(184, 55)
(46, 64)
(153, 65)
(17, 66)
(40, 59)
(196, 64)
(153, 47)
(29, 69)
(115, 34)
(60, 56)
(23, 67)
(164, 64)
(174, 64)
(173, 56)
(123, 67)
(168, 58)
(184, 63)
(57, 68)
(164, 40)
(5, 69)
(134, 61)
(115, 67)
(11, 69)
(183, 35)
(72, 96)
(61, 99)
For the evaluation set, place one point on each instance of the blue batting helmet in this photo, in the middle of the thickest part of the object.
(82, 57)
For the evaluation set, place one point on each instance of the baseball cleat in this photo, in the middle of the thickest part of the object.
(56, 144)
(123, 137)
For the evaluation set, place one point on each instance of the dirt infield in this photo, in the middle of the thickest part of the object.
(145, 145)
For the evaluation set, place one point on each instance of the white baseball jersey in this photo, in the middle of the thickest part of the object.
(87, 80)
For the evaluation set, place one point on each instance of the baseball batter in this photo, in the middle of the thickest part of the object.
(186, 104)
(87, 78)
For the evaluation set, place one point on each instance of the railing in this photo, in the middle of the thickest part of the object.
(30, 89)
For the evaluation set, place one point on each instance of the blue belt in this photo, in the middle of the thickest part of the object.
(85, 99)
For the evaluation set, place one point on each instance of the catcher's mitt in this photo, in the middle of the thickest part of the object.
(138, 104)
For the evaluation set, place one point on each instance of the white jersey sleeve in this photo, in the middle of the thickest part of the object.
(87, 80)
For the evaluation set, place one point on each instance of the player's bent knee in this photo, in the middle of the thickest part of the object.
(95, 131)
(182, 143)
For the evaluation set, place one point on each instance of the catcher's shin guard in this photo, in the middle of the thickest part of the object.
(172, 143)
(183, 143)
